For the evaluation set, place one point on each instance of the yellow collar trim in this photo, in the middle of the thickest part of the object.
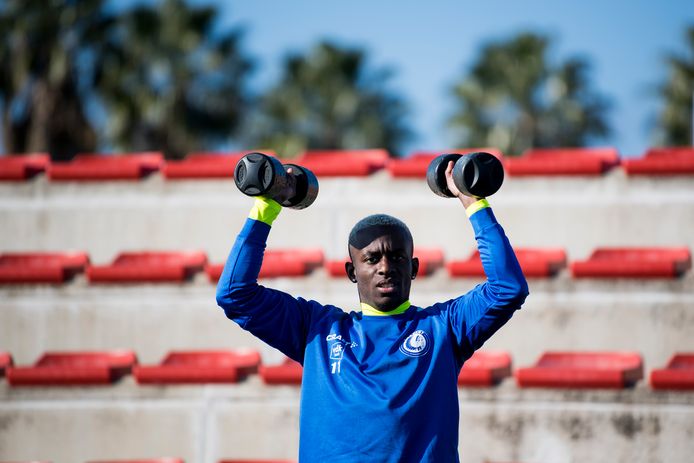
(366, 309)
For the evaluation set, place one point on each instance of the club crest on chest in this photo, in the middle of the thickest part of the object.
(416, 344)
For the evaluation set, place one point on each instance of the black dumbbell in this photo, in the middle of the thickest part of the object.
(258, 174)
(475, 174)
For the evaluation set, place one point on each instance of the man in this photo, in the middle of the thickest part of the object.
(379, 385)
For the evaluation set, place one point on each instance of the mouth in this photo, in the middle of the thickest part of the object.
(387, 286)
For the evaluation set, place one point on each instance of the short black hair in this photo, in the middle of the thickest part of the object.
(372, 226)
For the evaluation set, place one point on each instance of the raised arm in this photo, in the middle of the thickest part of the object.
(273, 316)
(477, 315)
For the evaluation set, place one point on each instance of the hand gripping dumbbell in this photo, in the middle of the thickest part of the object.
(257, 174)
(475, 174)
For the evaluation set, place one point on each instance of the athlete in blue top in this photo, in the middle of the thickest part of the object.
(378, 385)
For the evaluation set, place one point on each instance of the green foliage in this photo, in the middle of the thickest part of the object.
(514, 99)
(328, 99)
(168, 82)
(675, 121)
(161, 76)
(41, 77)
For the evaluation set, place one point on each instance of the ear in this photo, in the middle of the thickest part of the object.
(415, 267)
(349, 268)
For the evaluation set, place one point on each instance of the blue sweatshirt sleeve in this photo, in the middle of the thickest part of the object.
(477, 315)
(277, 318)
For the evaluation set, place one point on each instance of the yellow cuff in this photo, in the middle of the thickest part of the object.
(265, 210)
(476, 206)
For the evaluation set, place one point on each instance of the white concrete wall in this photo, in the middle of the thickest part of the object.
(208, 423)
(205, 424)
(651, 317)
(576, 213)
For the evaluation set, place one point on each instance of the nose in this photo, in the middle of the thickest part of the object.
(384, 266)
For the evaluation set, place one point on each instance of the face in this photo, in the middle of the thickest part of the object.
(383, 270)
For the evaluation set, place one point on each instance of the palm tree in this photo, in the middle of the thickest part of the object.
(40, 74)
(329, 99)
(675, 121)
(168, 82)
(513, 99)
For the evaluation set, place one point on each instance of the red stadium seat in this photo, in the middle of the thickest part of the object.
(205, 165)
(534, 262)
(343, 163)
(198, 367)
(5, 361)
(416, 165)
(430, 259)
(74, 369)
(41, 267)
(147, 460)
(336, 268)
(563, 161)
(678, 374)
(485, 369)
(23, 167)
(662, 161)
(155, 266)
(583, 370)
(634, 263)
(279, 263)
(93, 167)
(288, 372)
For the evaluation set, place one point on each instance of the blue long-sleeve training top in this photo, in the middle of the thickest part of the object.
(376, 388)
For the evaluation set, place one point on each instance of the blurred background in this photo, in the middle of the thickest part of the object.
(180, 76)
(121, 126)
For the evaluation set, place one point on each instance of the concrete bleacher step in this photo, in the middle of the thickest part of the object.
(651, 316)
(577, 214)
(203, 424)
(614, 207)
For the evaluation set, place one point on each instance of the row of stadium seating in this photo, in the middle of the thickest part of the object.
(169, 460)
(162, 460)
(354, 163)
(576, 370)
(157, 266)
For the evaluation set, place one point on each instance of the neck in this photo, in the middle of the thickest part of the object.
(372, 311)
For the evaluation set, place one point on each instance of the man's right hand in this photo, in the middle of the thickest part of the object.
(288, 191)
(466, 200)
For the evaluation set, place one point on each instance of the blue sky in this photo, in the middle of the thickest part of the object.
(432, 44)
